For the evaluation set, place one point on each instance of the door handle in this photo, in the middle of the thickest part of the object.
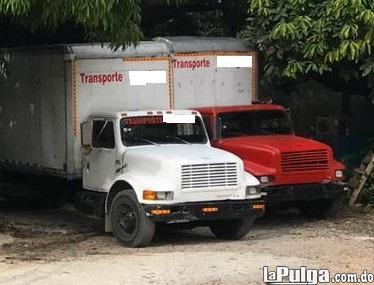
(88, 165)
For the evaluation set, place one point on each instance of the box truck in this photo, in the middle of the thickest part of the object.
(106, 120)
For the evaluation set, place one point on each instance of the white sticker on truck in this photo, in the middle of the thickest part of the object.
(147, 77)
(178, 119)
(234, 61)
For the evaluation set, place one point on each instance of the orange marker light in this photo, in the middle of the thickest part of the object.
(159, 212)
(209, 210)
(149, 195)
(258, 206)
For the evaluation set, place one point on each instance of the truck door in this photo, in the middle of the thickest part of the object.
(99, 163)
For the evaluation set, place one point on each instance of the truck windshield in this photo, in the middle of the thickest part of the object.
(150, 130)
(238, 124)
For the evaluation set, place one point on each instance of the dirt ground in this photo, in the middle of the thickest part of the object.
(63, 247)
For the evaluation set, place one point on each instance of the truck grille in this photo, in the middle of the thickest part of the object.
(311, 160)
(209, 175)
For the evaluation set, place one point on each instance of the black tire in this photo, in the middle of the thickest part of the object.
(322, 209)
(131, 226)
(231, 229)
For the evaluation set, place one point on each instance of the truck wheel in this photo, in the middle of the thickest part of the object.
(130, 224)
(231, 229)
(322, 209)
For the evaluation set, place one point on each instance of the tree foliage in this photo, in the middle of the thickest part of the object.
(117, 21)
(196, 18)
(206, 23)
(313, 37)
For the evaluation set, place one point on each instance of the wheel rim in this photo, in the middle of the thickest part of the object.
(127, 219)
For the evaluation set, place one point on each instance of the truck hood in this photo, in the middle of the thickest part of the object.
(262, 154)
(275, 143)
(183, 154)
(160, 167)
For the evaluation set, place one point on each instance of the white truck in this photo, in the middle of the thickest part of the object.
(106, 120)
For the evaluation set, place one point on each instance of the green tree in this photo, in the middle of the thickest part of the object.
(116, 21)
(195, 18)
(300, 38)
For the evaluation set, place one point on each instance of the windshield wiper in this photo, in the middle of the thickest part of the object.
(178, 139)
(144, 140)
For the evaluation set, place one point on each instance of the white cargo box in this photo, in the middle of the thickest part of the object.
(50, 91)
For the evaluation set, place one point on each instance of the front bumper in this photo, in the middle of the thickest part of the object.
(291, 194)
(191, 212)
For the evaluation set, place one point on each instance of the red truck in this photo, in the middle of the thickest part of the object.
(294, 171)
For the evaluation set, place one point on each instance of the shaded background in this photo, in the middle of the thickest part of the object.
(345, 121)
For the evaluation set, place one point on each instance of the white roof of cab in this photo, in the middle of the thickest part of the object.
(137, 113)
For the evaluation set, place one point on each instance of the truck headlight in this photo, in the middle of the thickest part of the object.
(252, 190)
(264, 179)
(158, 195)
(339, 174)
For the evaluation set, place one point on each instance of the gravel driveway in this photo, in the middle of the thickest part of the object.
(64, 247)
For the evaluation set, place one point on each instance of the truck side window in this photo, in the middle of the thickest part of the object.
(103, 134)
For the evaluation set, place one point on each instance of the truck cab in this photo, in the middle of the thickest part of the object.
(157, 167)
(293, 171)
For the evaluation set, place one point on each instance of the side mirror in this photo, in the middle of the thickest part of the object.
(86, 131)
